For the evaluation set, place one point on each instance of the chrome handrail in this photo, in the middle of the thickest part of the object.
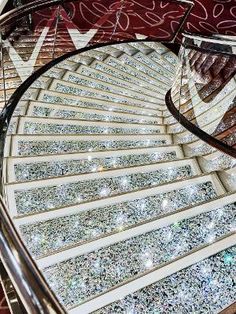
(27, 279)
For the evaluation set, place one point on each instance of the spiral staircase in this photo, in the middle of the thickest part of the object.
(122, 209)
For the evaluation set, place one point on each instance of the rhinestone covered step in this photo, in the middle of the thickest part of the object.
(86, 102)
(35, 125)
(211, 279)
(32, 168)
(75, 280)
(30, 145)
(79, 90)
(83, 80)
(116, 81)
(121, 72)
(40, 109)
(71, 190)
(128, 66)
(75, 229)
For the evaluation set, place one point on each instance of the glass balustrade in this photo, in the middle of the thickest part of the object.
(204, 91)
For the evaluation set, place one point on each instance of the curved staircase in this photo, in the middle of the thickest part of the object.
(123, 210)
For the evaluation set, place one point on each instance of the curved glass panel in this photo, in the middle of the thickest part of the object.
(208, 86)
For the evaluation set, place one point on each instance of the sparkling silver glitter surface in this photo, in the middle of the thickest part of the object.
(67, 89)
(53, 196)
(220, 162)
(206, 287)
(158, 47)
(122, 67)
(43, 170)
(103, 77)
(166, 75)
(199, 149)
(156, 57)
(95, 54)
(143, 68)
(96, 272)
(83, 81)
(186, 137)
(118, 73)
(171, 57)
(42, 147)
(62, 128)
(94, 223)
(72, 114)
(66, 100)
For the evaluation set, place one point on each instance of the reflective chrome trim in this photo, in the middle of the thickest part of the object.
(35, 294)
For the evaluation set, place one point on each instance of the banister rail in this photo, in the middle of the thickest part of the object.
(36, 297)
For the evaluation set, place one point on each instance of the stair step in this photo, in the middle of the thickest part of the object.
(141, 47)
(157, 58)
(87, 102)
(213, 186)
(31, 145)
(117, 263)
(85, 81)
(74, 89)
(99, 75)
(54, 73)
(45, 125)
(171, 58)
(121, 214)
(81, 59)
(110, 50)
(216, 161)
(128, 49)
(157, 64)
(209, 269)
(185, 137)
(36, 168)
(95, 54)
(156, 46)
(126, 77)
(67, 64)
(41, 195)
(42, 109)
(197, 148)
(227, 177)
(127, 68)
(146, 65)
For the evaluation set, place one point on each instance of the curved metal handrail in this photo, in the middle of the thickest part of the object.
(197, 131)
(37, 298)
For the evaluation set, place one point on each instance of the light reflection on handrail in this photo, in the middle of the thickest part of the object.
(36, 297)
